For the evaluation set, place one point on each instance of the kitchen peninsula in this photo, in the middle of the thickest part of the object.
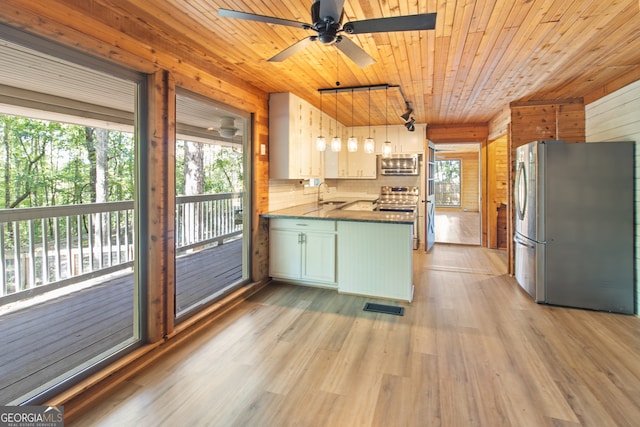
(345, 245)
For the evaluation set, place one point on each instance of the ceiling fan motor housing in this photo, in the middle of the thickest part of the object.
(326, 26)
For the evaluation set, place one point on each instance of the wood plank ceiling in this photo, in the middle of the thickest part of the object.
(482, 55)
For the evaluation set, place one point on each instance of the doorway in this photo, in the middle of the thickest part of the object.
(457, 188)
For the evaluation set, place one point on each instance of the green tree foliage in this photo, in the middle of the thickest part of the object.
(223, 169)
(50, 163)
(447, 180)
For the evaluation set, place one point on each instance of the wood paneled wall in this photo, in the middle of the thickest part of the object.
(497, 171)
(539, 120)
(458, 133)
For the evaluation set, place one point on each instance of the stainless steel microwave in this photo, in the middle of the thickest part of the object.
(399, 164)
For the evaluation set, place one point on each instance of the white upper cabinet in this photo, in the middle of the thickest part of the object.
(402, 141)
(360, 165)
(350, 165)
(335, 162)
(294, 125)
(412, 142)
(293, 128)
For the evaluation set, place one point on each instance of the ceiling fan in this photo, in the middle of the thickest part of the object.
(326, 16)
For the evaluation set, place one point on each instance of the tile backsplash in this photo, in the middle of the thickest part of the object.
(286, 193)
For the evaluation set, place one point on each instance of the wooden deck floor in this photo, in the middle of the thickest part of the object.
(45, 341)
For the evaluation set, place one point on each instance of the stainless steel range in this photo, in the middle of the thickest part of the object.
(403, 199)
(400, 199)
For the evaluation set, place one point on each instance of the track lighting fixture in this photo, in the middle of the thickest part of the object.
(410, 125)
(406, 115)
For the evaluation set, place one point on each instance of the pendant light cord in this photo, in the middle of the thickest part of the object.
(369, 113)
(351, 111)
(386, 114)
(336, 113)
(321, 113)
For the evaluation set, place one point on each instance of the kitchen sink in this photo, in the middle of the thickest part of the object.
(360, 205)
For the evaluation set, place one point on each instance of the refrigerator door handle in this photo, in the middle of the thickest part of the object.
(518, 240)
(520, 189)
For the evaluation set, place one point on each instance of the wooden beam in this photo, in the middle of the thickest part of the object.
(159, 236)
(458, 133)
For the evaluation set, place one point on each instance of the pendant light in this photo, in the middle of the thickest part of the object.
(352, 142)
(369, 143)
(321, 142)
(386, 148)
(336, 141)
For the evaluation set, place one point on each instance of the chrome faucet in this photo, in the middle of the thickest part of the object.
(320, 196)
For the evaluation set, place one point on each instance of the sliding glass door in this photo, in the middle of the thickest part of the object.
(212, 208)
(67, 224)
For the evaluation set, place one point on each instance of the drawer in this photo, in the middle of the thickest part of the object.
(302, 224)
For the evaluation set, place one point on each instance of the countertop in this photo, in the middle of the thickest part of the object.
(333, 212)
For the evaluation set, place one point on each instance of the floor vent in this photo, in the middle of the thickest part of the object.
(382, 308)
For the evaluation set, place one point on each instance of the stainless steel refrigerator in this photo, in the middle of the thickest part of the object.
(574, 227)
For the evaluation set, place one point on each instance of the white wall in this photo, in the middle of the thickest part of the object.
(616, 117)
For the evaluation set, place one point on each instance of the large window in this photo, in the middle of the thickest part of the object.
(211, 201)
(68, 288)
(447, 183)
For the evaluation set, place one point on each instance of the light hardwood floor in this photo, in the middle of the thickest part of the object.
(457, 227)
(471, 350)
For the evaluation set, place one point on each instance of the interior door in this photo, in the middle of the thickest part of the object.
(430, 193)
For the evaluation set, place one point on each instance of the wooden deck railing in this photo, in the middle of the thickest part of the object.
(48, 247)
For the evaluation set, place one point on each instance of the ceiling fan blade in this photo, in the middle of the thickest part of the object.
(260, 18)
(331, 8)
(424, 21)
(354, 52)
(292, 50)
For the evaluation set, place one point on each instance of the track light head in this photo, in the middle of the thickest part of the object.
(410, 125)
(406, 115)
